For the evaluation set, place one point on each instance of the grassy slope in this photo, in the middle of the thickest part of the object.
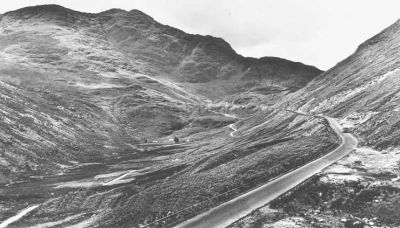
(363, 88)
(362, 91)
(106, 81)
(39, 132)
(214, 165)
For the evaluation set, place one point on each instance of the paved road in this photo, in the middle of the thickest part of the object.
(239, 207)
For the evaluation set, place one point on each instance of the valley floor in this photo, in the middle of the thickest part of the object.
(208, 167)
(20, 199)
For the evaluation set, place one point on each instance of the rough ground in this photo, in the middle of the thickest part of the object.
(363, 188)
(200, 172)
(80, 93)
(141, 79)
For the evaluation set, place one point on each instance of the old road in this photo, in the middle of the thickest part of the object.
(231, 211)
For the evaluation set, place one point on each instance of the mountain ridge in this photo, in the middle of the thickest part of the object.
(113, 88)
(200, 44)
(362, 93)
(146, 77)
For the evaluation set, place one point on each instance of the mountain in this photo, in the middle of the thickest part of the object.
(361, 190)
(118, 41)
(80, 93)
(362, 90)
(42, 133)
(139, 74)
(189, 178)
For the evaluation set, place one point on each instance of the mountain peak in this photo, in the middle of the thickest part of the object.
(53, 8)
(114, 11)
(136, 11)
(140, 14)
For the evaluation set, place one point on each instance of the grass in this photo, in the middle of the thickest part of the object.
(202, 174)
(214, 178)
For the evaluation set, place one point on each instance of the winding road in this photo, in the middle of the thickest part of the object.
(234, 129)
(231, 211)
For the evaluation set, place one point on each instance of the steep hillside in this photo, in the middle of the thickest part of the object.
(92, 46)
(362, 90)
(80, 92)
(44, 133)
(363, 189)
(142, 76)
(215, 167)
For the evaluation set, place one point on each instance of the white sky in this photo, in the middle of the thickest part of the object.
(316, 32)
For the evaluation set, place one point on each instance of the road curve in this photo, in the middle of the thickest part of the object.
(231, 211)
(234, 129)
